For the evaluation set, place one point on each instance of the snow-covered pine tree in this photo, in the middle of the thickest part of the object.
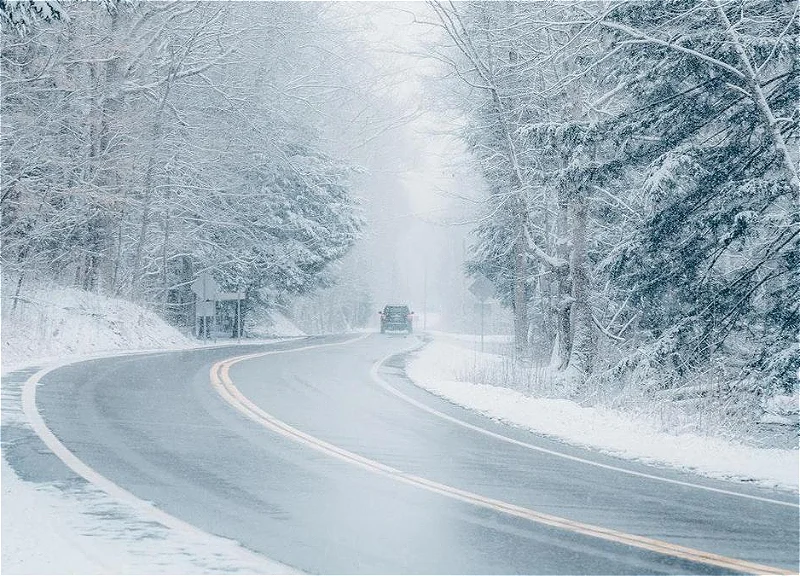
(280, 226)
(713, 267)
(21, 15)
(534, 80)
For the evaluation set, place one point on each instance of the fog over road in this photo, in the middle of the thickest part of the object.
(157, 426)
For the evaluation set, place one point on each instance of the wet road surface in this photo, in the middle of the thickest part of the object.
(155, 426)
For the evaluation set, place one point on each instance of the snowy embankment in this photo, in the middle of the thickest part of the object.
(440, 368)
(65, 322)
(57, 323)
(494, 338)
(53, 528)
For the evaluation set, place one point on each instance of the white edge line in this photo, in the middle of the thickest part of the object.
(388, 387)
(36, 421)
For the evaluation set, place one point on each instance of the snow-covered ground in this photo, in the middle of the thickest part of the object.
(494, 338)
(49, 531)
(441, 368)
(272, 325)
(57, 323)
(53, 323)
(53, 528)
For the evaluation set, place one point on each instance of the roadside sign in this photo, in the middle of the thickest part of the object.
(205, 287)
(230, 296)
(482, 288)
(208, 294)
(205, 308)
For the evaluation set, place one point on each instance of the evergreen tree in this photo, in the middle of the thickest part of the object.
(713, 266)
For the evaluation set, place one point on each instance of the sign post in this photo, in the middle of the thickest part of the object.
(482, 289)
(205, 289)
(238, 296)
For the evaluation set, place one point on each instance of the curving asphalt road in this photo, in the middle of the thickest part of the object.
(156, 426)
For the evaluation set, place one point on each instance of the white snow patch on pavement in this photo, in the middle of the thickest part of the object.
(438, 366)
(48, 531)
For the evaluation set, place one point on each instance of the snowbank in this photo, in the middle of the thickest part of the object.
(61, 322)
(264, 323)
(439, 365)
(48, 531)
(56, 323)
(281, 327)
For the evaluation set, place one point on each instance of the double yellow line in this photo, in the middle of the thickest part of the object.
(221, 380)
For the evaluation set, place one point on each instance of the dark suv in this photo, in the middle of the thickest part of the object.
(396, 318)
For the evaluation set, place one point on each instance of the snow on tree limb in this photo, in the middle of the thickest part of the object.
(757, 93)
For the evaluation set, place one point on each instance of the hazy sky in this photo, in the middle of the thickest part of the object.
(417, 248)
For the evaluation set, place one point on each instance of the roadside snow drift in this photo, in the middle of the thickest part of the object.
(438, 366)
(59, 322)
(49, 531)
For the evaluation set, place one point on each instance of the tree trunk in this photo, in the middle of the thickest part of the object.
(545, 287)
(164, 255)
(583, 340)
(92, 246)
(186, 296)
(520, 281)
(138, 270)
(106, 172)
(563, 304)
(91, 268)
(118, 256)
(103, 107)
(18, 291)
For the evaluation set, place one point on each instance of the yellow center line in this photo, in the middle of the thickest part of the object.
(221, 380)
